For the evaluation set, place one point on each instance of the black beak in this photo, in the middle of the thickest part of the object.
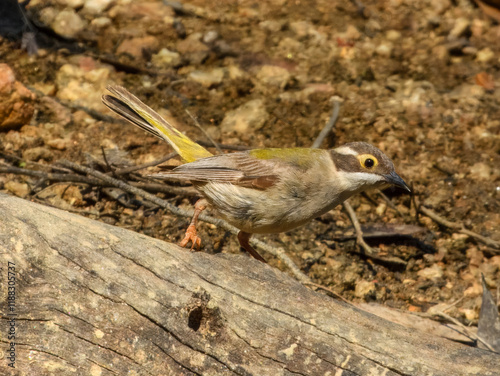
(396, 180)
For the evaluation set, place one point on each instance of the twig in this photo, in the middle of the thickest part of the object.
(389, 202)
(470, 333)
(413, 197)
(165, 188)
(458, 226)
(277, 252)
(195, 121)
(320, 287)
(361, 242)
(11, 157)
(74, 178)
(156, 162)
(329, 126)
(111, 169)
(49, 175)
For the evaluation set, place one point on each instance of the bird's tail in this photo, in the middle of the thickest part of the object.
(131, 108)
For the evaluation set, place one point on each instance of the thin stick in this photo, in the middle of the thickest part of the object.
(74, 178)
(320, 287)
(219, 150)
(20, 160)
(329, 126)
(369, 251)
(458, 226)
(156, 162)
(470, 333)
(389, 202)
(277, 252)
(111, 169)
(49, 175)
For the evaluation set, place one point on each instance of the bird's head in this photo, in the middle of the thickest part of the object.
(363, 166)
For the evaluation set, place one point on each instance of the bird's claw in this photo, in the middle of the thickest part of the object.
(191, 236)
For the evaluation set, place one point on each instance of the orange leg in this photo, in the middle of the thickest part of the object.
(191, 235)
(243, 238)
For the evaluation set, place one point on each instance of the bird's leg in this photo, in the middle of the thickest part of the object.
(191, 235)
(243, 238)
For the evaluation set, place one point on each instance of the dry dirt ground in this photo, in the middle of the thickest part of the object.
(419, 79)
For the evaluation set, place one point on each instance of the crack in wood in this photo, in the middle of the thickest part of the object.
(179, 340)
(102, 366)
(46, 352)
(96, 344)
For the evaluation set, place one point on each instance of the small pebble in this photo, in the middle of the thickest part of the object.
(19, 189)
(248, 117)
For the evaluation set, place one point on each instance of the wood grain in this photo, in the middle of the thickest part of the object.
(94, 299)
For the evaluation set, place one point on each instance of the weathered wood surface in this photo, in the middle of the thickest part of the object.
(94, 299)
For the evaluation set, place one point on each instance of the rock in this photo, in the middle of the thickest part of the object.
(272, 26)
(273, 75)
(37, 153)
(96, 6)
(249, 117)
(68, 23)
(380, 210)
(210, 36)
(235, 73)
(59, 143)
(83, 85)
(101, 22)
(136, 46)
(352, 33)
(470, 314)
(301, 28)
(384, 49)
(474, 290)
(166, 58)
(495, 260)
(392, 35)
(432, 273)
(480, 171)
(459, 29)
(19, 189)
(207, 79)
(289, 46)
(365, 289)
(16, 101)
(485, 55)
(47, 15)
(441, 52)
(72, 3)
(193, 49)
(306, 29)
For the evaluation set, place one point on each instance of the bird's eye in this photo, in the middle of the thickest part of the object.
(367, 161)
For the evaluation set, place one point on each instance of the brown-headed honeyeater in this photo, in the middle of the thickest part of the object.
(262, 191)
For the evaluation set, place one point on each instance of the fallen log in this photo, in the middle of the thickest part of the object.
(93, 299)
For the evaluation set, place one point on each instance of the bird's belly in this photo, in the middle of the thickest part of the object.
(262, 212)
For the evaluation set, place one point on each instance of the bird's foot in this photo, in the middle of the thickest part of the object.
(191, 236)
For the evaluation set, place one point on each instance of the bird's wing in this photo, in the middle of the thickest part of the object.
(240, 168)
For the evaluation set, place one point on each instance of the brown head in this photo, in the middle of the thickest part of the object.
(365, 165)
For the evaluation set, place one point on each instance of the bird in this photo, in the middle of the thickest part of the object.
(262, 191)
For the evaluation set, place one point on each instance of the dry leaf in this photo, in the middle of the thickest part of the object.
(485, 80)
